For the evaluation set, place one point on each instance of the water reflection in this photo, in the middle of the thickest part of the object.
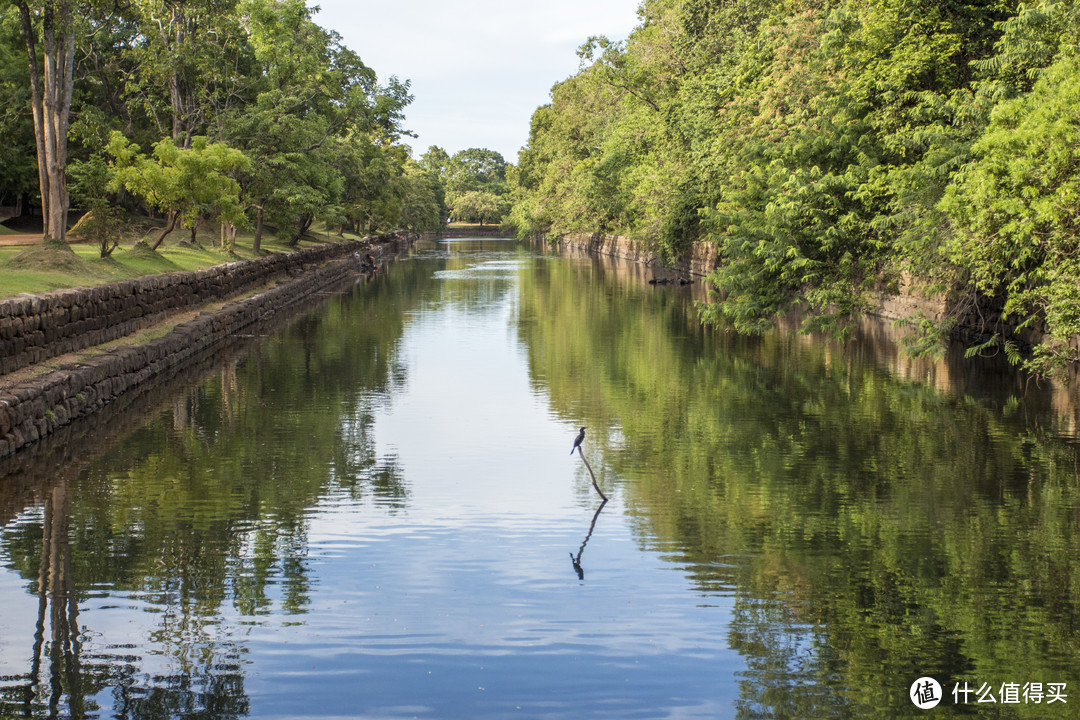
(576, 559)
(199, 514)
(873, 528)
(368, 513)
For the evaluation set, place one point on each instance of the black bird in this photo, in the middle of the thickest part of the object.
(577, 442)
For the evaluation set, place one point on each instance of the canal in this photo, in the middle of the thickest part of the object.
(374, 512)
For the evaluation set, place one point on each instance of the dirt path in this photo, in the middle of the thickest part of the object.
(20, 239)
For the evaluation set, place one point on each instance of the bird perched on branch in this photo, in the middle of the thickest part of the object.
(577, 442)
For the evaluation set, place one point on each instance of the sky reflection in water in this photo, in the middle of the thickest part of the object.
(375, 514)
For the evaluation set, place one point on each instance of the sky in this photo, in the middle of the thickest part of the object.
(478, 68)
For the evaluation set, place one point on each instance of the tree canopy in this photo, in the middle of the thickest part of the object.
(831, 149)
(313, 133)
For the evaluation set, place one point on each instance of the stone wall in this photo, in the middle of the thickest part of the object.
(700, 259)
(36, 408)
(34, 328)
(977, 317)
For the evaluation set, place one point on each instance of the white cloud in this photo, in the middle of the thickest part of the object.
(478, 67)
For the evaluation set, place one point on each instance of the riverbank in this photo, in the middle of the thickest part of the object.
(35, 402)
(974, 318)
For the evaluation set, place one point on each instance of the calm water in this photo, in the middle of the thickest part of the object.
(374, 513)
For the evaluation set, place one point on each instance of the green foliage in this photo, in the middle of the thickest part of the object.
(423, 206)
(475, 169)
(1017, 206)
(481, 207)
(18, 159)
(475, 181)
(1031, 40)
(824, 146)
(259, 75)
(436, 161)
(188, 183)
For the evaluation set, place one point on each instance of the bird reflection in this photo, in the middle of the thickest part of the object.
(576, 559)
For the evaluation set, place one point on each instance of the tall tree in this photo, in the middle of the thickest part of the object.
(192, 65)
(51, 85)
(475, 179)
(475, 169)
(313, 91)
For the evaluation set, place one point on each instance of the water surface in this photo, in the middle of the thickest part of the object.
(374, 513)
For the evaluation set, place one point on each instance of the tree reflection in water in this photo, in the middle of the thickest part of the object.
(200, 514)
(58, 611)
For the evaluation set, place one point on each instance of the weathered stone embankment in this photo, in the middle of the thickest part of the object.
(34, 328)
(975, 318)
(68, 320)
(701, 258)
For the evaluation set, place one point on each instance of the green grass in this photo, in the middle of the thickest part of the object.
(41, 268)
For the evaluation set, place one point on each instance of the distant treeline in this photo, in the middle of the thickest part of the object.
(831, 148)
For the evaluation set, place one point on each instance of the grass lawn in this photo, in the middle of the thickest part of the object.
(41, 268)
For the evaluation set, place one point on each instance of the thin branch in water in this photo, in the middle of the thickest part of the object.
(576, 561)
(592, 475)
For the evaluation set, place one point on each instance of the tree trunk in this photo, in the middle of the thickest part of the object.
(256, 244)
(35, 101)
(173, 215)
(228, 236)
(303, 225)
(51, 103)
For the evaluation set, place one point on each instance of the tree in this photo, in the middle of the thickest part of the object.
(422, 209)
(51, 86)
(18, 166)
(293, 174)
(436, 161)
(192, 65)
(375, 186)
(478, 207)
(1017, 209)
(184, 183)
(475, 180)
(475, 169)
(315, 99)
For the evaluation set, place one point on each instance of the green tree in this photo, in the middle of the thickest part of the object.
(374, 186)
(292, 176)
(313, 92)
(185, 183)
(18, 167)
(475, 181)
(1017, 209)
(422, 209)
(436, 161)
(481, 207)
(476, 169)
(191, 65)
